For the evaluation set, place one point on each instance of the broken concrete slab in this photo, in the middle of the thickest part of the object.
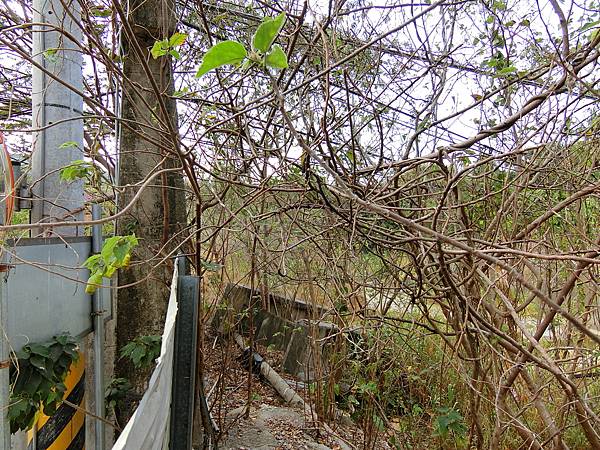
(275, 331)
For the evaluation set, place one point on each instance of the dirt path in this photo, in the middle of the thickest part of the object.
(274, 427)
(272, 424)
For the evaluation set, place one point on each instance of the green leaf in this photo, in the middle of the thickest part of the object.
(38, 362)
(181, 92)
(226, 52)
(127, 349)
(151, 339)
(115, 254)
(19, 412)
(137, 354)
(499, 5)
(378, 422)
(164, 46)
(93, 281)
(93, 262)
(55, 352)
(62, 339)
(276, 58)
(211, 266)
(353, 400)
(142, 351)
(109, 247)
(39, 384)
(98, 11)
(177, 39)
(449, 420)
(506, 71)
(32, 383)
(121, 251)
(39, 349)
(159, 48)
(68, 144)
(589, 25)
(76, 170)
(267, 32)
(51, 55)
(116, 390)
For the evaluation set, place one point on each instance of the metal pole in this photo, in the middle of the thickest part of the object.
(4, 370)
(98, 338)
(184, 360)
(57, 112)
(57, 109)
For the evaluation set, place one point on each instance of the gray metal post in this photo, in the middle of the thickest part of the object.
(184, 361)
(99, 407)
(58, 110)
(57, 114)
(4, 371)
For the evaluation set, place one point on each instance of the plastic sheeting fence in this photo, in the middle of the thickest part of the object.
(148, 428)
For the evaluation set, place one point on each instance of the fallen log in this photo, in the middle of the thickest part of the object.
(284, 389)
(280, 385)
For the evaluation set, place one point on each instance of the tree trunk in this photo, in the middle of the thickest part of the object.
(148, 144)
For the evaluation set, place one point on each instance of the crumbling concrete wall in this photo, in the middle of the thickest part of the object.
(291, 326)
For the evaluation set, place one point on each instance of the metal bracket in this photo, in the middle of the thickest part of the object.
(24, 199)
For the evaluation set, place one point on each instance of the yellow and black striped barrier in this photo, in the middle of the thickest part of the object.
(65, 430)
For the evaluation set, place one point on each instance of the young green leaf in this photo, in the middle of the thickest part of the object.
(93, 262)
(267, 32)
(162, 47)
(177, 39)
(182, 92)
(276, 58)
(94, 281)
(109, 247)
(226, 52)
(51, 55)
(68, 144)
(98, 11)
(506, 71)
(76, 170)
(159, 48)
(115, 254)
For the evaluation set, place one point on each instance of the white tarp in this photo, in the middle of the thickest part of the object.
(148, 428)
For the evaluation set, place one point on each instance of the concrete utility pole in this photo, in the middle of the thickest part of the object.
(57, 118)
(57, 112)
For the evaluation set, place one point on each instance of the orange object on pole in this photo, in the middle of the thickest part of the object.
(8, 182)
